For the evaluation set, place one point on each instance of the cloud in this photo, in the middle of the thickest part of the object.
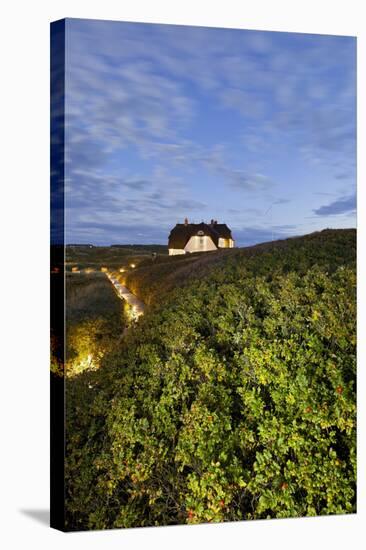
(246, 103)
(215, 160)
(139, 98)
(116, 96)
(281, 201)
(246, 181)
(343, 205)
(96, 201)
(106, 233)
(343, 176)
(136, 91)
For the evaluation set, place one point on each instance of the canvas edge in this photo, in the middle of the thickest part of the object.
(57, 275)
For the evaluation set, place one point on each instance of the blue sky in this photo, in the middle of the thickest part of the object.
(253, 128)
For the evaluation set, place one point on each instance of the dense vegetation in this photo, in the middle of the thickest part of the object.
(233, 397)
(152, 280)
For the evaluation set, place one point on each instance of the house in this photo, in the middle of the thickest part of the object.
(199, 237)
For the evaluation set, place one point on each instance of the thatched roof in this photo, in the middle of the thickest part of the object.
(181, 233)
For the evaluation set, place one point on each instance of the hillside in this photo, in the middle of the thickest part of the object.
(95, 320)
(153, 279)
(233, 398)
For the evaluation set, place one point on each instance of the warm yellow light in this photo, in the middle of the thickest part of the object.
(104, 269)
(133, 265)
(122, 270)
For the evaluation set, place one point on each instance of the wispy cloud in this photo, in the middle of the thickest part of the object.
(166, 120)
(343, 205)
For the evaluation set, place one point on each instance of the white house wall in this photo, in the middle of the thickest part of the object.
(200, 244)
(175, 251)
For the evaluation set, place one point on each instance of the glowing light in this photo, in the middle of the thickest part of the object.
(122, 270)
(104, 269)
(133, 265)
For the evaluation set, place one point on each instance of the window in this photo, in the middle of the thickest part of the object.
(201, 239)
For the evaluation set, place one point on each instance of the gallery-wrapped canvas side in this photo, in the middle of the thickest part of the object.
(57, 393)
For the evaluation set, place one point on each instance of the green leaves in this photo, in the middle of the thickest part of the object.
(233, 398)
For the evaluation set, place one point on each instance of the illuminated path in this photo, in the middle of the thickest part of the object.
(137, 306)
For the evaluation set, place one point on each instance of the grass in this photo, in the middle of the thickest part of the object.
(96, 257)
(95, 320)
(90, 296)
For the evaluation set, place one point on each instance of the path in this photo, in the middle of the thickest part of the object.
(137, 306)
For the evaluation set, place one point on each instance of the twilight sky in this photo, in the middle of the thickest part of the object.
(253, 128)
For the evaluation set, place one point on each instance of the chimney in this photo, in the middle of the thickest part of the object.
(185, 221)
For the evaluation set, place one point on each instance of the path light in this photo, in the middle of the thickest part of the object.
(135, 310)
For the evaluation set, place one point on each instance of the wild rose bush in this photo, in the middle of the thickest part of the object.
(232, 399)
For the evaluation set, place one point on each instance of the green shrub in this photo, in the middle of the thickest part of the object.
(234, 398)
